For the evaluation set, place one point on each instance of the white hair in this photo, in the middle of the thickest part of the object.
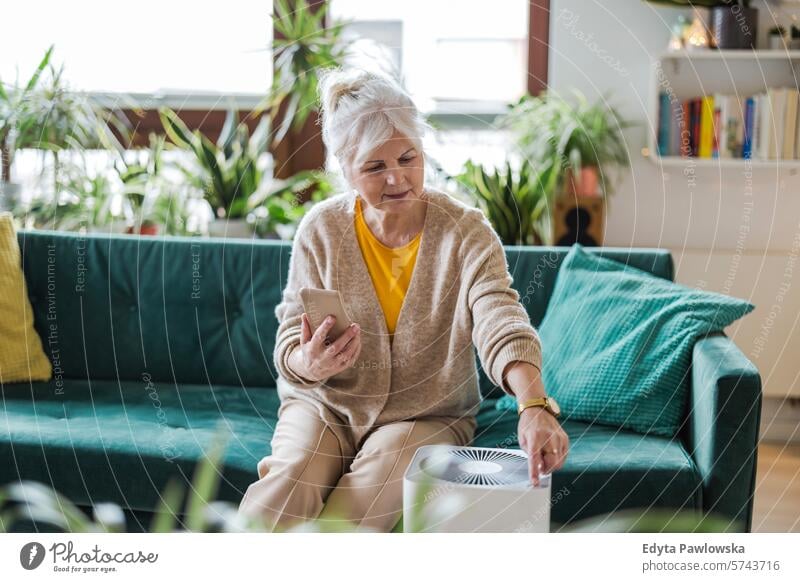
(360, 111)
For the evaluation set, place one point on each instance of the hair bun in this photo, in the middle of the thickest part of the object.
(336, 84)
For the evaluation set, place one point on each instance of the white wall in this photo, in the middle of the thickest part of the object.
(718, 243)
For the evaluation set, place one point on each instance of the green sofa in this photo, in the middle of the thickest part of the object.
(157, 342)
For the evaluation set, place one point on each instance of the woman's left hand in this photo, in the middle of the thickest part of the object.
(544, 441)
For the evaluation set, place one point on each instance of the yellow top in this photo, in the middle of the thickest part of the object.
(389, 268)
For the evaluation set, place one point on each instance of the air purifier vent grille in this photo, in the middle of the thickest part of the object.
(476, 466)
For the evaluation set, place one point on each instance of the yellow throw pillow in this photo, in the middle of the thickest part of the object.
(22, 358)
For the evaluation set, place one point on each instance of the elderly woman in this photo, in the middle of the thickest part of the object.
(424, 278)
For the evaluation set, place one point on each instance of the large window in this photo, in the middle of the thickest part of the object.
(462, 62)
(185, 52)
(454, 56)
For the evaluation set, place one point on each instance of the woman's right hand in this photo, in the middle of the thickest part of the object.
(319, 359)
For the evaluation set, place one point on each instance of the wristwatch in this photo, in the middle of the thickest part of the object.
(549, 404)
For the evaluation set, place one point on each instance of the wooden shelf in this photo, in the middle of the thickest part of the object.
(681, 162)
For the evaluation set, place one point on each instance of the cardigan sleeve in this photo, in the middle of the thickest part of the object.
(501, 329)
(303, 272)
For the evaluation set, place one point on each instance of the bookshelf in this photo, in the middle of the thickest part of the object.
(688, 74)
(679, 162)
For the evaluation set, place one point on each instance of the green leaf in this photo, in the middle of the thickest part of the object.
(207, 153)
(34, 80)
(228, 132)
(205, 483)
(288, 118)
(175, 128)
(260, 137)
(301, 47)
(42, 504)
(168, 509)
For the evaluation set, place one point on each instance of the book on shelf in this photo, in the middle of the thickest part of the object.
(775, 127)
(718, 127)
(790, 126)
(729, 118)
(686, 130)
(762, 126)
(706, 145)
(664, 124)
(747, 126)
(797, 130)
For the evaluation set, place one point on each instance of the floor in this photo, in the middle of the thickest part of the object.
(777, 497)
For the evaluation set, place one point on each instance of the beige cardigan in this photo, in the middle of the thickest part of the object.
(460, 296)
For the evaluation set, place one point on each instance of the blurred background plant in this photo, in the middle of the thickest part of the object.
(91, 178)
(84, 201)
(303, 45)
(653, 520)
(63, 121)
(19, 122)
(139, 179)
(276, 209)
(44, 114)
(229, 171)
(158, 204)
(516, 202)
(233, 176)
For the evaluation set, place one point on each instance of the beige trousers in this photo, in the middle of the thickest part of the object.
(312, 475)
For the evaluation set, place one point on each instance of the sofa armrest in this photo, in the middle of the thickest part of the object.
(724, 418)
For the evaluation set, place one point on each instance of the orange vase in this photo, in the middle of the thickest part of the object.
(144, 229)
(586, 184)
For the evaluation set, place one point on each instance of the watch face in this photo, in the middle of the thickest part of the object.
(554, 406)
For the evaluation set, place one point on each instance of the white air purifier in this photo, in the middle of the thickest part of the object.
(473, 489)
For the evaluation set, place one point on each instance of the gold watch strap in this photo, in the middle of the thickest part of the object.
(531, 402)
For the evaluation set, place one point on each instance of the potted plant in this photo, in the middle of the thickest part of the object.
(102, 207)
(88, 201)
(582, 140)
(302, 46)
(733, 23)
(517, 203)
(228, 172)
(777, 37)
(17, 128)
(143, 185)
(276, 209)
(68, 122)
(47, 115)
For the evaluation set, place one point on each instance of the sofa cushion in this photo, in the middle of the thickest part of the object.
(617, 342)
(122, 442)
(607, 469)
(185, 310)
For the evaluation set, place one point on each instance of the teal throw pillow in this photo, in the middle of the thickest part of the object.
(617, 343)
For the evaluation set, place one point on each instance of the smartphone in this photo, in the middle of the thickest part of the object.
(319, 303)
